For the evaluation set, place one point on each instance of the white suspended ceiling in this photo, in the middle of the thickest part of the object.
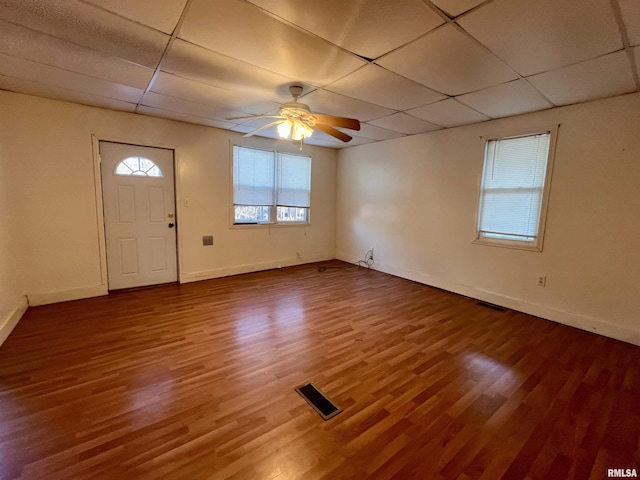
(401, 67)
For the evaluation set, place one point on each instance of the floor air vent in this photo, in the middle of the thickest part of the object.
(491, 306)
(320, 403)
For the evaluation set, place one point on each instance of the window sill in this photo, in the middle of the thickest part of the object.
(529, 247)
(242, 226)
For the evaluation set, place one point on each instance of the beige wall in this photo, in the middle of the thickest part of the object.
(12, 288)
(50, 150)
(414, 200)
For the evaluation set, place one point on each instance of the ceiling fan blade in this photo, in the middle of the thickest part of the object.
(350, 123)
(264, 127)
(254, 116)
(333, 132)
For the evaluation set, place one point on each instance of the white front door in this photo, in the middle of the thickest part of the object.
(139, 215)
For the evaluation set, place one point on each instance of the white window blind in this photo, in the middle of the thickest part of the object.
(270, 187)
(253, 176)
(512, 188)
(294, 180)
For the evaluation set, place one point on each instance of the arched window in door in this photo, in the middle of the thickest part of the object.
(140, 166)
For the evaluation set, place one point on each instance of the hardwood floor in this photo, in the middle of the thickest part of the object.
(197, 381)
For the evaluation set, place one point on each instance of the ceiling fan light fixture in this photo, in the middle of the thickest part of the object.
(300, 130)
(284, 129)
(295, 121)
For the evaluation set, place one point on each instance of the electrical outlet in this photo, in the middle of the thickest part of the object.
(298, 256)
(541, 280)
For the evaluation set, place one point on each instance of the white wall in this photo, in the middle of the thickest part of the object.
(49, 147)
(12, 289)
(414, 200)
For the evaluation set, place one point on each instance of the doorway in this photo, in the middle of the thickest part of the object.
(138, 193)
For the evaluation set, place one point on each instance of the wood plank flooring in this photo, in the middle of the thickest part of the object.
(196, 381)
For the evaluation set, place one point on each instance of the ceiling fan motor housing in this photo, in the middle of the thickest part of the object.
(294, 110)
(295, 91)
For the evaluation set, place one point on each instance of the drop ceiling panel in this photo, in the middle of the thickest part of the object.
(538, 36)
(56, 77)
(448, 113)
(183, 117)
(376, 133)
(631, 16)
(251, 35)
(598, 78)
(324, 140)
(89, 26)
(187, 107)
(322, 101)
(57, 93)
(28, 44)
(511, 98)
(448, 62)
(200, 64)
(353, 142)
(374, 84)
(239, 57)
(356, 26)
(453, 8)
(162, 15)
(252, 125)
(175, 86)
(403, 123)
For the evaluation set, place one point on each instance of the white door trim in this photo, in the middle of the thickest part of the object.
(97, 179)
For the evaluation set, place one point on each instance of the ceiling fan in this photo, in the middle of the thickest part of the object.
(296, 121)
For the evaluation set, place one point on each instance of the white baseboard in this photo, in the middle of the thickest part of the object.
(187, 277)
(582, 322)
(66, 295)
(8, 323)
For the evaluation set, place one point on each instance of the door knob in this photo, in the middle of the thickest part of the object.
(171, 224)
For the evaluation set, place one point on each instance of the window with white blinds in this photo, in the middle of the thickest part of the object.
(270, 187)
(512, 194)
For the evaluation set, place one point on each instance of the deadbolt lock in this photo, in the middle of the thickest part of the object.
(170, 214)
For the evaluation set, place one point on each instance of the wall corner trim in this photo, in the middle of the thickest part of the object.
(9, 321)
(46, 298)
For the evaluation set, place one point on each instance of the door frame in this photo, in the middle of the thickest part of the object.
(100, 227)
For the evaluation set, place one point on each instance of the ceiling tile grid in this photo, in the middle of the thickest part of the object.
(453, 8)
(600, 77)
(162, 15)
(84, 24)
(448, 62)
(630, 10)
(56, 77)
(402, 68)
(250, 35)
(357, 26)
(448, 113)
(22, 42)
(48, 91)
(403, 123)
(376, 85)
(507, 99)
(537, 36)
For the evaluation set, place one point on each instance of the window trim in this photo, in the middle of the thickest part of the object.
(273, 208)
(537, 245)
